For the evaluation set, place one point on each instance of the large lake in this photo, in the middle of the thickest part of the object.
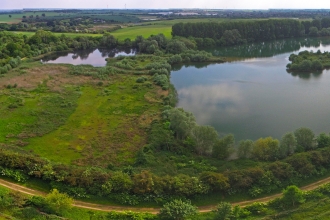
(252, 98)
(257, 97)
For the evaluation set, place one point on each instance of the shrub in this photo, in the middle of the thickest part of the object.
(177, 210)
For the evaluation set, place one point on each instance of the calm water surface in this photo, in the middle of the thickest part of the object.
(257, 97)
(92, 57)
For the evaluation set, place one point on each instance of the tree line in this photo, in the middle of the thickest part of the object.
(14, 47)
(207, 34)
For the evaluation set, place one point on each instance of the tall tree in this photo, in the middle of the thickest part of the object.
(222, 147)
(204, 138)
(323, 140)
(305, 138)
(182, 122)
(288, 145)
(245, 149)
(266, 149)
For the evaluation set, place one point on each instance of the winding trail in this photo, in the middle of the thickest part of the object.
(108, 208)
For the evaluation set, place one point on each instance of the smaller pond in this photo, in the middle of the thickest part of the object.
(92, 57)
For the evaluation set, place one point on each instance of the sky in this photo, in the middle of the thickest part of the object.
(166, 4)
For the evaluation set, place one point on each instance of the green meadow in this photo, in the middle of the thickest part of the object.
(77, 119)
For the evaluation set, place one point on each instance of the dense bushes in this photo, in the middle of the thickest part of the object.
(308, 61)
(132, 188)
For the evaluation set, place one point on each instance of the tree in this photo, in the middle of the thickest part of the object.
(245, 149)
(323, 140)
(143, 182)
(10, 16)
(108, 41)
(223, 211)
(177, 210)
(204, 138)
(231, 37)
(12, 47)
(182, 122)
(266, 149)
(58, 202)
(216, 181)
(175, 47)
(305, 138)
(222, 147)
(160, 136)
(293, 195)
(313, 31)
(43, 15)
(288, 145)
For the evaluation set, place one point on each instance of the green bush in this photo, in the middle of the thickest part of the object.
(177, 210)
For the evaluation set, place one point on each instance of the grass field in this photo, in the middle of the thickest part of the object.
(16, 18)
(79, 119)
(122, 34)
(145, 31)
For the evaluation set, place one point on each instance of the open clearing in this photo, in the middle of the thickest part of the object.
(76, 119)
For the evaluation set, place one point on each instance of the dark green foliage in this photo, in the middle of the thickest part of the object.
(141, 79)
(175, 59)
(222, 147)
(323, 140)
(108, 41)
(232, 37)
(238, 32)
(216, 181)
(176, 47)
(308, 61)
(161, 80)
(305, 138)
(161, 137)
(245, 149)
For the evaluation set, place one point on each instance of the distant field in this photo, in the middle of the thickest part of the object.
(122, 34)
(154, 27)
(172, 22)
(145, 31)
(16, 18)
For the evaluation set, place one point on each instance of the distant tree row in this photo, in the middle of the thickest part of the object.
(233, 33)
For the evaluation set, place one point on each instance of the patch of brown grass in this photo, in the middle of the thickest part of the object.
(55, 76)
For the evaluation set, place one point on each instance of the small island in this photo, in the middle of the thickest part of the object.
(307, 61)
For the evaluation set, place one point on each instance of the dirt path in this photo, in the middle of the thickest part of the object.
(98, 207)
